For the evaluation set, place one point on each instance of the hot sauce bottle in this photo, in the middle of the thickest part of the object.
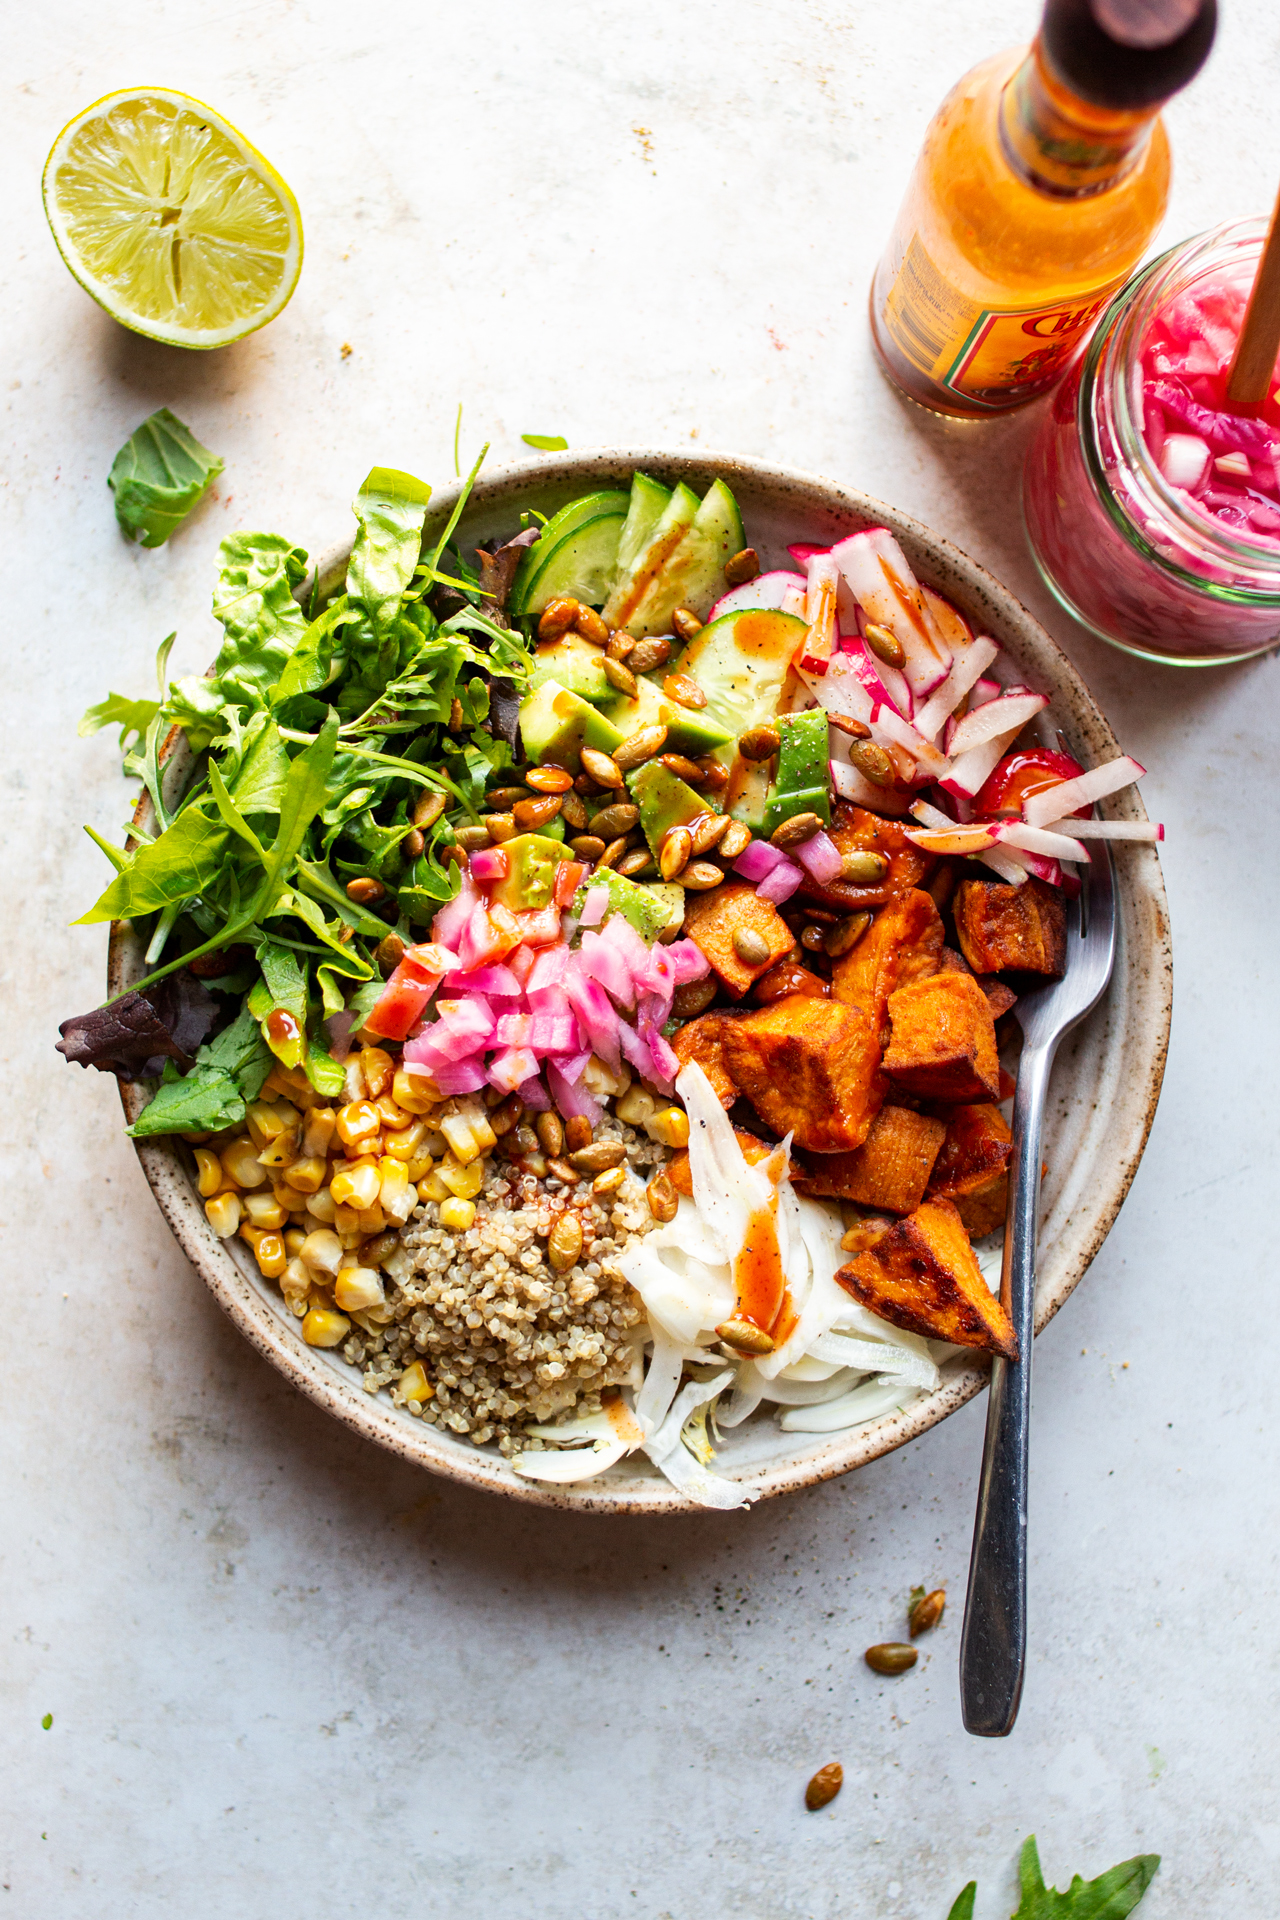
(1042, 178)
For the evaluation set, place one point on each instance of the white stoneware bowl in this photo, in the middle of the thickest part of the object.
(1105, 1087)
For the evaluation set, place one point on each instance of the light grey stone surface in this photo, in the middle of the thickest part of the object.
(287, 1674)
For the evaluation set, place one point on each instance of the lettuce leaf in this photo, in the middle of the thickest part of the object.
(263, 625)
(390, 509)
(158, 476)
(133, 717)
(227, 1076)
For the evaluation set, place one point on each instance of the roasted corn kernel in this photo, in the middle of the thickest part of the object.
(669, 1126)
(321, 1207)
(208, 1173)
(378, 1068)
(317, 1132)
(270, 1255)
(293, 1241)
(457, 1214)
(324, 1328)
(264, 1210)
(415, 1092)
(322, 1250)
(223, 1214)
(395, 1196)
(357, 1120)
(356, 1289)
(413, 1385)
(462, 1181)
(356, 1186)
(241, 1161)
(390, 1114)
(404, 1143)
(306, 1175)
(296, 1281)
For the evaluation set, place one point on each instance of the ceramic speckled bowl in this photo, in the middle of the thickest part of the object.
(1105, 1086)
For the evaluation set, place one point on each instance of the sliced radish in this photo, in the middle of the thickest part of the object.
(852, 785)
(1149, 831)
(765, 593)
(969, 772)
(1054, 846)
(1009, 864)
(1183, 460)
(889, 594)
(1006, 715)
(984, 691)
(952, 838)
(1096, 784)
(967, 669)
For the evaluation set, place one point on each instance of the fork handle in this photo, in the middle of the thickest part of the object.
(994, 1642)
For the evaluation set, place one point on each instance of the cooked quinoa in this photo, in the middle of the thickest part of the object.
(507, 1340)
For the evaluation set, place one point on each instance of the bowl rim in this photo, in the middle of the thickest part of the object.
(335, 1387)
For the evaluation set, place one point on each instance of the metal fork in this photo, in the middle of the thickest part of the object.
(994, 1642)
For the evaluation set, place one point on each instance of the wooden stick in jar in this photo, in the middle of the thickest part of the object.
(1255, 356)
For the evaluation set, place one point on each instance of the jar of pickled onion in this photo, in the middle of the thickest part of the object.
(1152, 505)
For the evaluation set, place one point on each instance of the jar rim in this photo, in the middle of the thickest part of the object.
(1107, 386)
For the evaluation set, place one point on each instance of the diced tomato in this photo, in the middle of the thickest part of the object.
(1019, 775)
(569, 876)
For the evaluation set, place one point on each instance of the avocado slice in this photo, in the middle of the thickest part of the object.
(804, 769)
(647, 912)
(574, 663)
(556, 724)
(665, 801)
(687, 731)
(532, 859)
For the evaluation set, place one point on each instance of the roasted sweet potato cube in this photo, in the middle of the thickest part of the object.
(809, 1067)
(890, 1169)
(984, 1210)
(943, 1043)
(922, 1275)
(903, 943)
(855, 830)
(753, 1151)
(999, 997)
(703, 1040)
(711, 919)
(1001, 928)
(974, 1154)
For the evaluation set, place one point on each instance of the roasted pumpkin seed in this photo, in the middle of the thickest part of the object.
(891, 1656)
(413, 843)
(714, 776)
(609, 1181)
(428, 807)
(604, 771)
(563, 1172)
(824, 1786)
(529, 815)
(617, 818)
(700, 876)
(708, 831)
(751, 947)
(558, 616)
(577, 1133)
(742, 567)
(745, 1336)
(639, 747)
(634, 863)
(865, 869)
(548, 780)
(502, 799)
(564, 1242)
(885, 645)
(575, 814)
(736, 840)
(845, 723)
(507, 1115)
(683, 768)
(614, 852)
(695, 997)
(598, 1156)
(845, 934)
(872, 762)
(587, 846)
(549, 1128)
(472, 839)
(811, 939)
(674, 853)
(759, 743)
(389, 954)
(619, 675)
(925, 1610)
(662, 1197)
(501, 826)
(621, 644)
(685, 622)
(685, 691)
(591, 627)
(647, 656)
(795, 831)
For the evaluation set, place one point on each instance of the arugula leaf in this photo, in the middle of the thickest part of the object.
(325, 1073)
(1110, 1897)
(239, 1051)
(227, 1076)
(133, 717)
(258, 782)
(158, 476)
(545, 442)
(181, 862)
(390, 508)
(309, 666)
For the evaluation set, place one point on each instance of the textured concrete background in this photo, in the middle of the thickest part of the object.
(287, 1674)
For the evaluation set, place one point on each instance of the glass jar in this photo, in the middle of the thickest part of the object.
(1126, 553)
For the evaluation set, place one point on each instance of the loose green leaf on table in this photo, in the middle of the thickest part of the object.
(1112, 1896)
(545, 442)
(160, 473)
(963, 1906)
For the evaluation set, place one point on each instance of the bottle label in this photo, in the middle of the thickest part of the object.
(987, 356)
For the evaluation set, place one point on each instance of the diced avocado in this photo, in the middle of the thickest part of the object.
(747, 795)
(581, 564)
(671, 899)
(632, 584)
(741, 662)
(804, 769)
(665, 801)
(555, 725)
(687, 731)
(588, 506)
(574, 663)
(531, 871)
(647, 913)
(693, 574)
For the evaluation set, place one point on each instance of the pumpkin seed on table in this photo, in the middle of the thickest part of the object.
(795, 831)
(845, 934)
(891, 1656)
(685, 691)
(741, 567)
(685, 622)
(529, 815)
(759, 743)
(865, 868)
(619, 675)
(824, 1786)
(700, 876)
(675, 851)
(639, 747)
(604, 771)
(925, 1610)
(548, 780)
(646, 656)
(751, 947)
(885, 645)
(619, 817)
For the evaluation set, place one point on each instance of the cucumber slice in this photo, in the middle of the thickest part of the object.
(581, 564)
(646, 507)
(589, 507)
(741, 662)
(693, 575)
(687, 731)
(632, 584)
(574, 663)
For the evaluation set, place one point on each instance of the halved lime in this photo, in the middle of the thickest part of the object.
(171, 219)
